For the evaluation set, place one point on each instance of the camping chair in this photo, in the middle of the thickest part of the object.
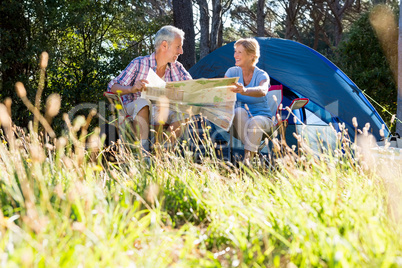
(124, 120)
(282, 114)
(280, 120)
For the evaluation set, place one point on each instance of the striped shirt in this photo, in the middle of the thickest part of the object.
(138, 69)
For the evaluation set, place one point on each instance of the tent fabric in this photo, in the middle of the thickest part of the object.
(305, 72)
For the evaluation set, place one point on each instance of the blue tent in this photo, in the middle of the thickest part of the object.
(304, 73)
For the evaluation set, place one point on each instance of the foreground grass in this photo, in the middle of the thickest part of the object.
(60, 209)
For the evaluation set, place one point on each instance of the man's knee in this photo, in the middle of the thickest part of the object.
(142, 116)
(144, 112)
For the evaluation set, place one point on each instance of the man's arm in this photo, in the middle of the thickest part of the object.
(125, 82)
(138, 86)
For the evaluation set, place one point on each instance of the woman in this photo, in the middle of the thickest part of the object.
(252, 115)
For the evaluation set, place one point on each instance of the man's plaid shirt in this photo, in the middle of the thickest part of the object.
(138, 69)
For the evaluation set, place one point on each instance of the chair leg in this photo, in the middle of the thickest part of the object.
(283, 134)
(231, 158)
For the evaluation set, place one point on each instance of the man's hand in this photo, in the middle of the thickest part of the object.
(239, 88)
(139, 86)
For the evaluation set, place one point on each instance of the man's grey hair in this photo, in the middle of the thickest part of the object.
(167, 33)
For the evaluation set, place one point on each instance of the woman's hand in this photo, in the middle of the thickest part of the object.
(139, 86)
(239, 88)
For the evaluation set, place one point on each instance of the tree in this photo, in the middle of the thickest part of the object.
(338, 9)
(253, 16)
(371, 73)
(87, 41)
(319, 16)
(293, 12)
(317, 22)
(24, 34)
(211, 38)
(261, 14)
(183, 19)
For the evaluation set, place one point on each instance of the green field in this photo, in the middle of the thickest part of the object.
(63, 206)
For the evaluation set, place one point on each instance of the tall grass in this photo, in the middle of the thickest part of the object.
(63, 206)
(307, 212)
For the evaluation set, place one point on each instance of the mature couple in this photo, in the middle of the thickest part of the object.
(252, 115)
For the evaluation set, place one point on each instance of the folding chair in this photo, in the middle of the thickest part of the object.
(275, 97)
(125, 120)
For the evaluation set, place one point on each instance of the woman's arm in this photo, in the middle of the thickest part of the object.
(259, 91)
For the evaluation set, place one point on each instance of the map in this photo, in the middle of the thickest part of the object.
(212, 98)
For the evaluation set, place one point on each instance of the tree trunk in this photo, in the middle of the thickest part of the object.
(338, 12)
(399, 100)
(317, 12)
(204, 24)
(291, 18)
(183, 19)
(220, 35)
(216, 22)
(261, 18)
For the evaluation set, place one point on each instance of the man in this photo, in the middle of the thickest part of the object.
(130, 83)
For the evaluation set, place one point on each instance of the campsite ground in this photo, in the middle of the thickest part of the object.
(63, 207)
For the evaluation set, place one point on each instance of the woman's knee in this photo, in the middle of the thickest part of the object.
(259, 122)
(240, 112)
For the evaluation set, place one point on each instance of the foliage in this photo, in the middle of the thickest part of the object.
(361, 57)
(245, 15)
(88, 42)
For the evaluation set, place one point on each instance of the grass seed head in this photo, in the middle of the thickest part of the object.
(151, 193)
(163, 105)
(44, 58)
(21, 92)
(61, 143)
(37, 153)
(94, 141)
(354, 121)
(53, 103)
(5, 119)
(393, 118)
(79, 122)
(8, 103)
(382, 132)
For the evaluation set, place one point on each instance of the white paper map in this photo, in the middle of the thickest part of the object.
(154, 80)
(210, 97)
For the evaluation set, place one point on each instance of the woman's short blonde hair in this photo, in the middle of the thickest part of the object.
(251, 46)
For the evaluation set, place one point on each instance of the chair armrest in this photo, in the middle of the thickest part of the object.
(111, 95)
(298, 103)
(295, 105)
(122, 110)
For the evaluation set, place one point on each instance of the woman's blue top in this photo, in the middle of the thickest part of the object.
(256, 105)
